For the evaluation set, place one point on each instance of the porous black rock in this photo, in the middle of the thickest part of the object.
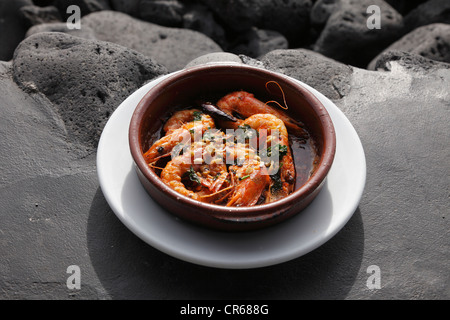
(321, 11)
(346, 36)
(85, 32)
(13, 26)
(172, 47)
(290, 18)
(407, 60)
(257, 42)
(86, 6)
(34, 15)
(330, 77)
(167, 13)
(199, 18)
(405, 6)
(430, 41)
(130, 7)
(432, 11)
(84, 79)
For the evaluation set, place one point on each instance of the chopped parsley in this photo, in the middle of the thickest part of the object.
(282, 150)
(277, 184)
(193, 175)
(198, 115)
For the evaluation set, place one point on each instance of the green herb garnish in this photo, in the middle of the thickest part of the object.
(277, 184)
(193, 175)
(281, 148)
(198, 115)
(244, 177)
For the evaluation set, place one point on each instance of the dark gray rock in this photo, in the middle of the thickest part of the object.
(87, 90)
(13, 26)
(405, 6)
(290, 18)
(326, 75)
(199, 18)
(167, 13)
(35, 15)
(86, 6)
(45, 193)
(239, 15)
(430, 41)
(257, 42)
(322, 10)
(432, 11)
(31, 131)
(401, 117)
(347, 38)
(172, 47)
(85, 32)
(407, 60)
(130, 7)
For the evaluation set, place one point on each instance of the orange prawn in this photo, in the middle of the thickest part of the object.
(179, 128)
(245, 104)
(201, 178)
(252, 179)
(282, 171)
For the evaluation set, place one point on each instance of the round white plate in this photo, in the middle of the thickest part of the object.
(319, 222)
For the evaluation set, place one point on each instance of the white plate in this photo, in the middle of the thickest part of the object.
(319, 222)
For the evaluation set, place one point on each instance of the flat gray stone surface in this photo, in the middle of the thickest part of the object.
(53, 214)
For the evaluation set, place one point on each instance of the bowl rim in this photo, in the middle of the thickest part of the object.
(234, 214)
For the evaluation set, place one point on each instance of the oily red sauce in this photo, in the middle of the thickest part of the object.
(305, 158)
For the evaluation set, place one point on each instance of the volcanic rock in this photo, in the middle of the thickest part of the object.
(347, 38)
(257, 42)
(432, 11)
(35, 15)
(326, 75)
(172, 47)
(290, 18)
(167, 13)
(430, 41)
(84, 79)
(86, 6)
(406, 60)
(13, 26)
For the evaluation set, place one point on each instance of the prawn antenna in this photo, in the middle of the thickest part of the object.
(285, 107)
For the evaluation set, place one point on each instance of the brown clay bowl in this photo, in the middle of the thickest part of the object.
(186, 86)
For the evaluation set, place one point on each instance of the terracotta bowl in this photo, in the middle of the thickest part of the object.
(186, 86)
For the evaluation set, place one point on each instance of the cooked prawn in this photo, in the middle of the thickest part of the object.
(282, 171)
(251, 180)
(201, 176)
(177, 131)
(245, 104)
